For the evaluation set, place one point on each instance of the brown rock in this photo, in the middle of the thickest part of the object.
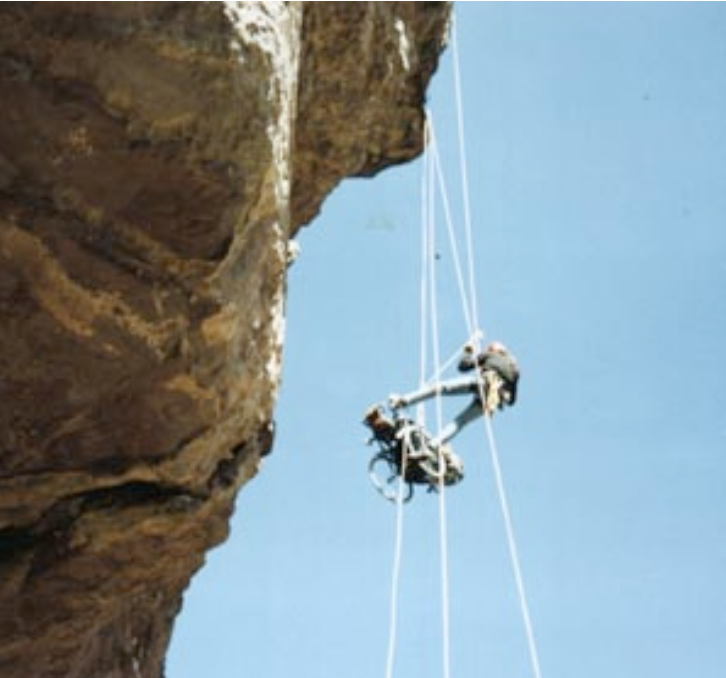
(155, 158)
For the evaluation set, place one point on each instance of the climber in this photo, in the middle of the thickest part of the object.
(424, 459)
(493, 386)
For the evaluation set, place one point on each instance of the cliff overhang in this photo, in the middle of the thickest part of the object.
(155, 160)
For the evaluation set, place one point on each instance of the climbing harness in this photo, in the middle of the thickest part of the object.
(490, 386)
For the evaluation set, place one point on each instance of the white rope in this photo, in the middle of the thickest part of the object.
(464, 174)
(427, 219)
(436, 375)
(436, 160)
(432, 175)
(393, 613)
(432, 163)
(513, 553)
(474, 325)
(435, 348)
(426, 216)
(444, 542)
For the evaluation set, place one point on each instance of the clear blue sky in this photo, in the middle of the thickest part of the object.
(596, 138)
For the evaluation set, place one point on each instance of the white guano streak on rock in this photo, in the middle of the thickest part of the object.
(274, 28)
(404, 46)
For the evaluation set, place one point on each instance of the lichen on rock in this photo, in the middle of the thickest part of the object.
(155, 160)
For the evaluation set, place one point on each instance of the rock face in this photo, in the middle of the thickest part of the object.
(155, 159)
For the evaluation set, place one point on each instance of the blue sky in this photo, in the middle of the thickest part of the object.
(596, 143)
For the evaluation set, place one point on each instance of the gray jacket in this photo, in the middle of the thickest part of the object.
(504, 365)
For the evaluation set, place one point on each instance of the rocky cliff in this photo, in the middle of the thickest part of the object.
(155, 159)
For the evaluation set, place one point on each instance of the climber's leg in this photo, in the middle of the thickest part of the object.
(466, 416)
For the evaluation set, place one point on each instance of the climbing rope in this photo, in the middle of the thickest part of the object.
(433, 178)
(430, 229)
(464, 176)
(494, 454)
(393, 613)
(451, 231)
(427, 212)
(513, 552)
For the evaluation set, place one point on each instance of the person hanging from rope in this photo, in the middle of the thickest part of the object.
(404, 444)
(493, 385)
